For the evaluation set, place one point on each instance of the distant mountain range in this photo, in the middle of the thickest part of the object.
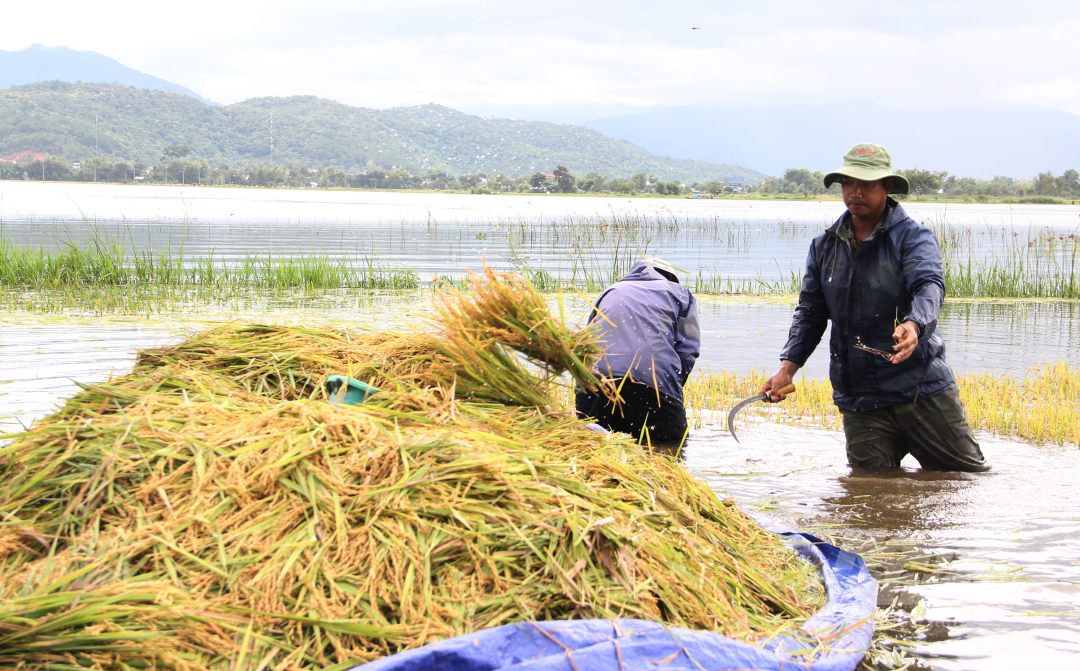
(39, 63)
(716, 140)
(136, 125)
(969, 143)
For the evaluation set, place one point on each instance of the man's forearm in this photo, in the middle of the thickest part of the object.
(789, 367)
(926, 307)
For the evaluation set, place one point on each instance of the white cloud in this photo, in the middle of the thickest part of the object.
(466, 53)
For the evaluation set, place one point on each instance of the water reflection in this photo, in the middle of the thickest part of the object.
(39, 365)
(899, 498)
(1002, 336)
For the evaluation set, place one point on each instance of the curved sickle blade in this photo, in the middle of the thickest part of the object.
(737, 408)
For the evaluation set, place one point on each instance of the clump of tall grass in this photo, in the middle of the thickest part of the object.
(716, 283)
(1044, 406)
(1044, 264)
(104, 262)
(280, 531)
(593, 252)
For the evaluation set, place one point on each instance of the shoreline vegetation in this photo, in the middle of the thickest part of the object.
(978, 199)
(796, 184)
(1040, 263)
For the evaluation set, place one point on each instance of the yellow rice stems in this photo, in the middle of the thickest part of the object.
(1044, 406)
(212, 511)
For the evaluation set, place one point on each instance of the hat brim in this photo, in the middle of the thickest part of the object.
(867, 175)
(654, 262)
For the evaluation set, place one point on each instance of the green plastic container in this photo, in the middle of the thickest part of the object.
(345, 390)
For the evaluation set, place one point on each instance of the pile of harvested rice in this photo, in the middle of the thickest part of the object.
(212, 511)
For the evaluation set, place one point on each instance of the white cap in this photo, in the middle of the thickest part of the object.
(656, 262)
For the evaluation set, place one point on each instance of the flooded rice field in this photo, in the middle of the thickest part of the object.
(444, 234)
(983, 568)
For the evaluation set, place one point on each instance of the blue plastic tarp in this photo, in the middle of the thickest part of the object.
(834, 639)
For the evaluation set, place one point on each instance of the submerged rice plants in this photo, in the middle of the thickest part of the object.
(711, 394)
(1044, 406)
(568, 253)
(211, 510)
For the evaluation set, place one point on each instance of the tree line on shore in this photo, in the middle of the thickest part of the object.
(924, 183)
(177, 167)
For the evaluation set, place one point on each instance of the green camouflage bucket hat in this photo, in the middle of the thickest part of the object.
(868, 162)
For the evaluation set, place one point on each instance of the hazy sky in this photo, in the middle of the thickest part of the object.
(467, 54)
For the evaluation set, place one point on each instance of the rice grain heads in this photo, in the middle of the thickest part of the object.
(211, 510)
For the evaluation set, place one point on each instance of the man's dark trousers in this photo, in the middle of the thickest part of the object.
(934, 430)
(639, 414)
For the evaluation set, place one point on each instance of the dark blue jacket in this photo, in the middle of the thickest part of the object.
(649, 329)
(894, 274)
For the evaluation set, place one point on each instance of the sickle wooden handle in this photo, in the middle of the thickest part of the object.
(789, 389)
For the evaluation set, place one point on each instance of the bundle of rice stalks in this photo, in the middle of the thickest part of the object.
(137, 623)
(284, 532)
(506, 311)
(474, 348)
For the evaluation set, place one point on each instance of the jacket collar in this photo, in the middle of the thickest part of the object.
(891, 209)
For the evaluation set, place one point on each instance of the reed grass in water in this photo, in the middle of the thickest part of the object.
(1043, 406)
(998, 262)
(1041, 264)
(103, 262)
(211, 510)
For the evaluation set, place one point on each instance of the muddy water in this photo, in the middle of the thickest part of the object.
(989, 562)
(1003, 337)
(38, 365)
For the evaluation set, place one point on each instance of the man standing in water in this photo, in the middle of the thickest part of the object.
(649, 327)
(877, 275)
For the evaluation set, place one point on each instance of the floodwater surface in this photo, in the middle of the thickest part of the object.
(988, 563)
